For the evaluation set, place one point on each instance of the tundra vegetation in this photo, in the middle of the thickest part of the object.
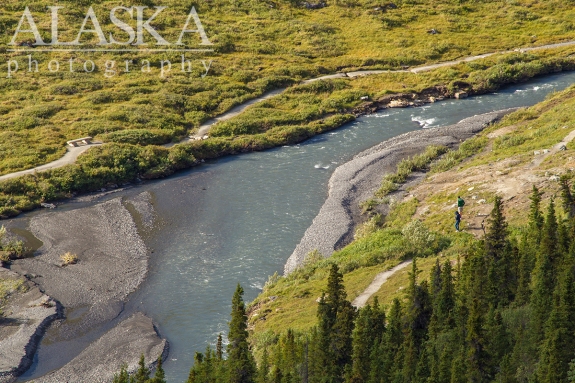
(10, 248)
(68, 259)
(258, 46)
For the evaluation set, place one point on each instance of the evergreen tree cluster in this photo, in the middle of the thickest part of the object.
(504, 313)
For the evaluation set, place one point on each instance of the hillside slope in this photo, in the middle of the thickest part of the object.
(531, 147)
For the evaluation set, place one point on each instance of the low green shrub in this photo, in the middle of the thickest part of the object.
(140, 136)
(452, 158)
(391, 182)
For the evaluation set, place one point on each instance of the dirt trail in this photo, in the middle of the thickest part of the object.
(73, 153)
(511, 178)
(557, 147)
(70, 157)
(375, 285)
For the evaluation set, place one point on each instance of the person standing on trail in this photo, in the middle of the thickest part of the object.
(457, 220)
(460, 204)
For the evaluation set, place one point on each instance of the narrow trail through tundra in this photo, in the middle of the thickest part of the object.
(376, 284)
(73, 153)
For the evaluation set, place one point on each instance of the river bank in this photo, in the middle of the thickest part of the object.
(112, 263)
(357, 181)
(94, 171)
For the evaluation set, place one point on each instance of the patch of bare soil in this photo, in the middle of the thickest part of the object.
(512, 179)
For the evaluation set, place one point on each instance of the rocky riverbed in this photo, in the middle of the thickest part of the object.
(74, 305)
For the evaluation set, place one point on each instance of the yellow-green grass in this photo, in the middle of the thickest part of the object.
(536, 128)
(258, 46)
(294, 303)
(38, 116)
(9, 286)
(395, 286)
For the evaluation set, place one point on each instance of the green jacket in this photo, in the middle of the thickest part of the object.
(460, 202)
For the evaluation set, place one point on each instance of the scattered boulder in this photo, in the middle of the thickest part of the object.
(460, 95)
(398, 104)
(554, 178)
(433, 31)
(563, 147)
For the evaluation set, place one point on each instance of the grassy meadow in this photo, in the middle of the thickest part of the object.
(257, 47)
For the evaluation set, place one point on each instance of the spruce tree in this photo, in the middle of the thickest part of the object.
(241, 365)
(159, 375)
(123, 376)
(435, 279)
(496, 236)
(341, 342)
(377, 373)
(549, 235)
(446, 301)
(219, 347)
(477, 359)
(563, 240)
(535, 217)
(501, 278)
(543, 279)
(305, 362)
(143, 372)
(524, 279)
(567, 198)
(198, 371)
(377, 321)
(336, 320)
(557, 347)
(529, 249)
(391, 356)
(422, 372)
(418, 316)
(362, 343)
(498, 342)
(316, 355)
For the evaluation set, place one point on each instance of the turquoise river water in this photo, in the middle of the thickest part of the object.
(237, 219)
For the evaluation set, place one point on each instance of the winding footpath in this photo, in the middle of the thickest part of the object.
(70, 157)
(73, 153)
(376, 284)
